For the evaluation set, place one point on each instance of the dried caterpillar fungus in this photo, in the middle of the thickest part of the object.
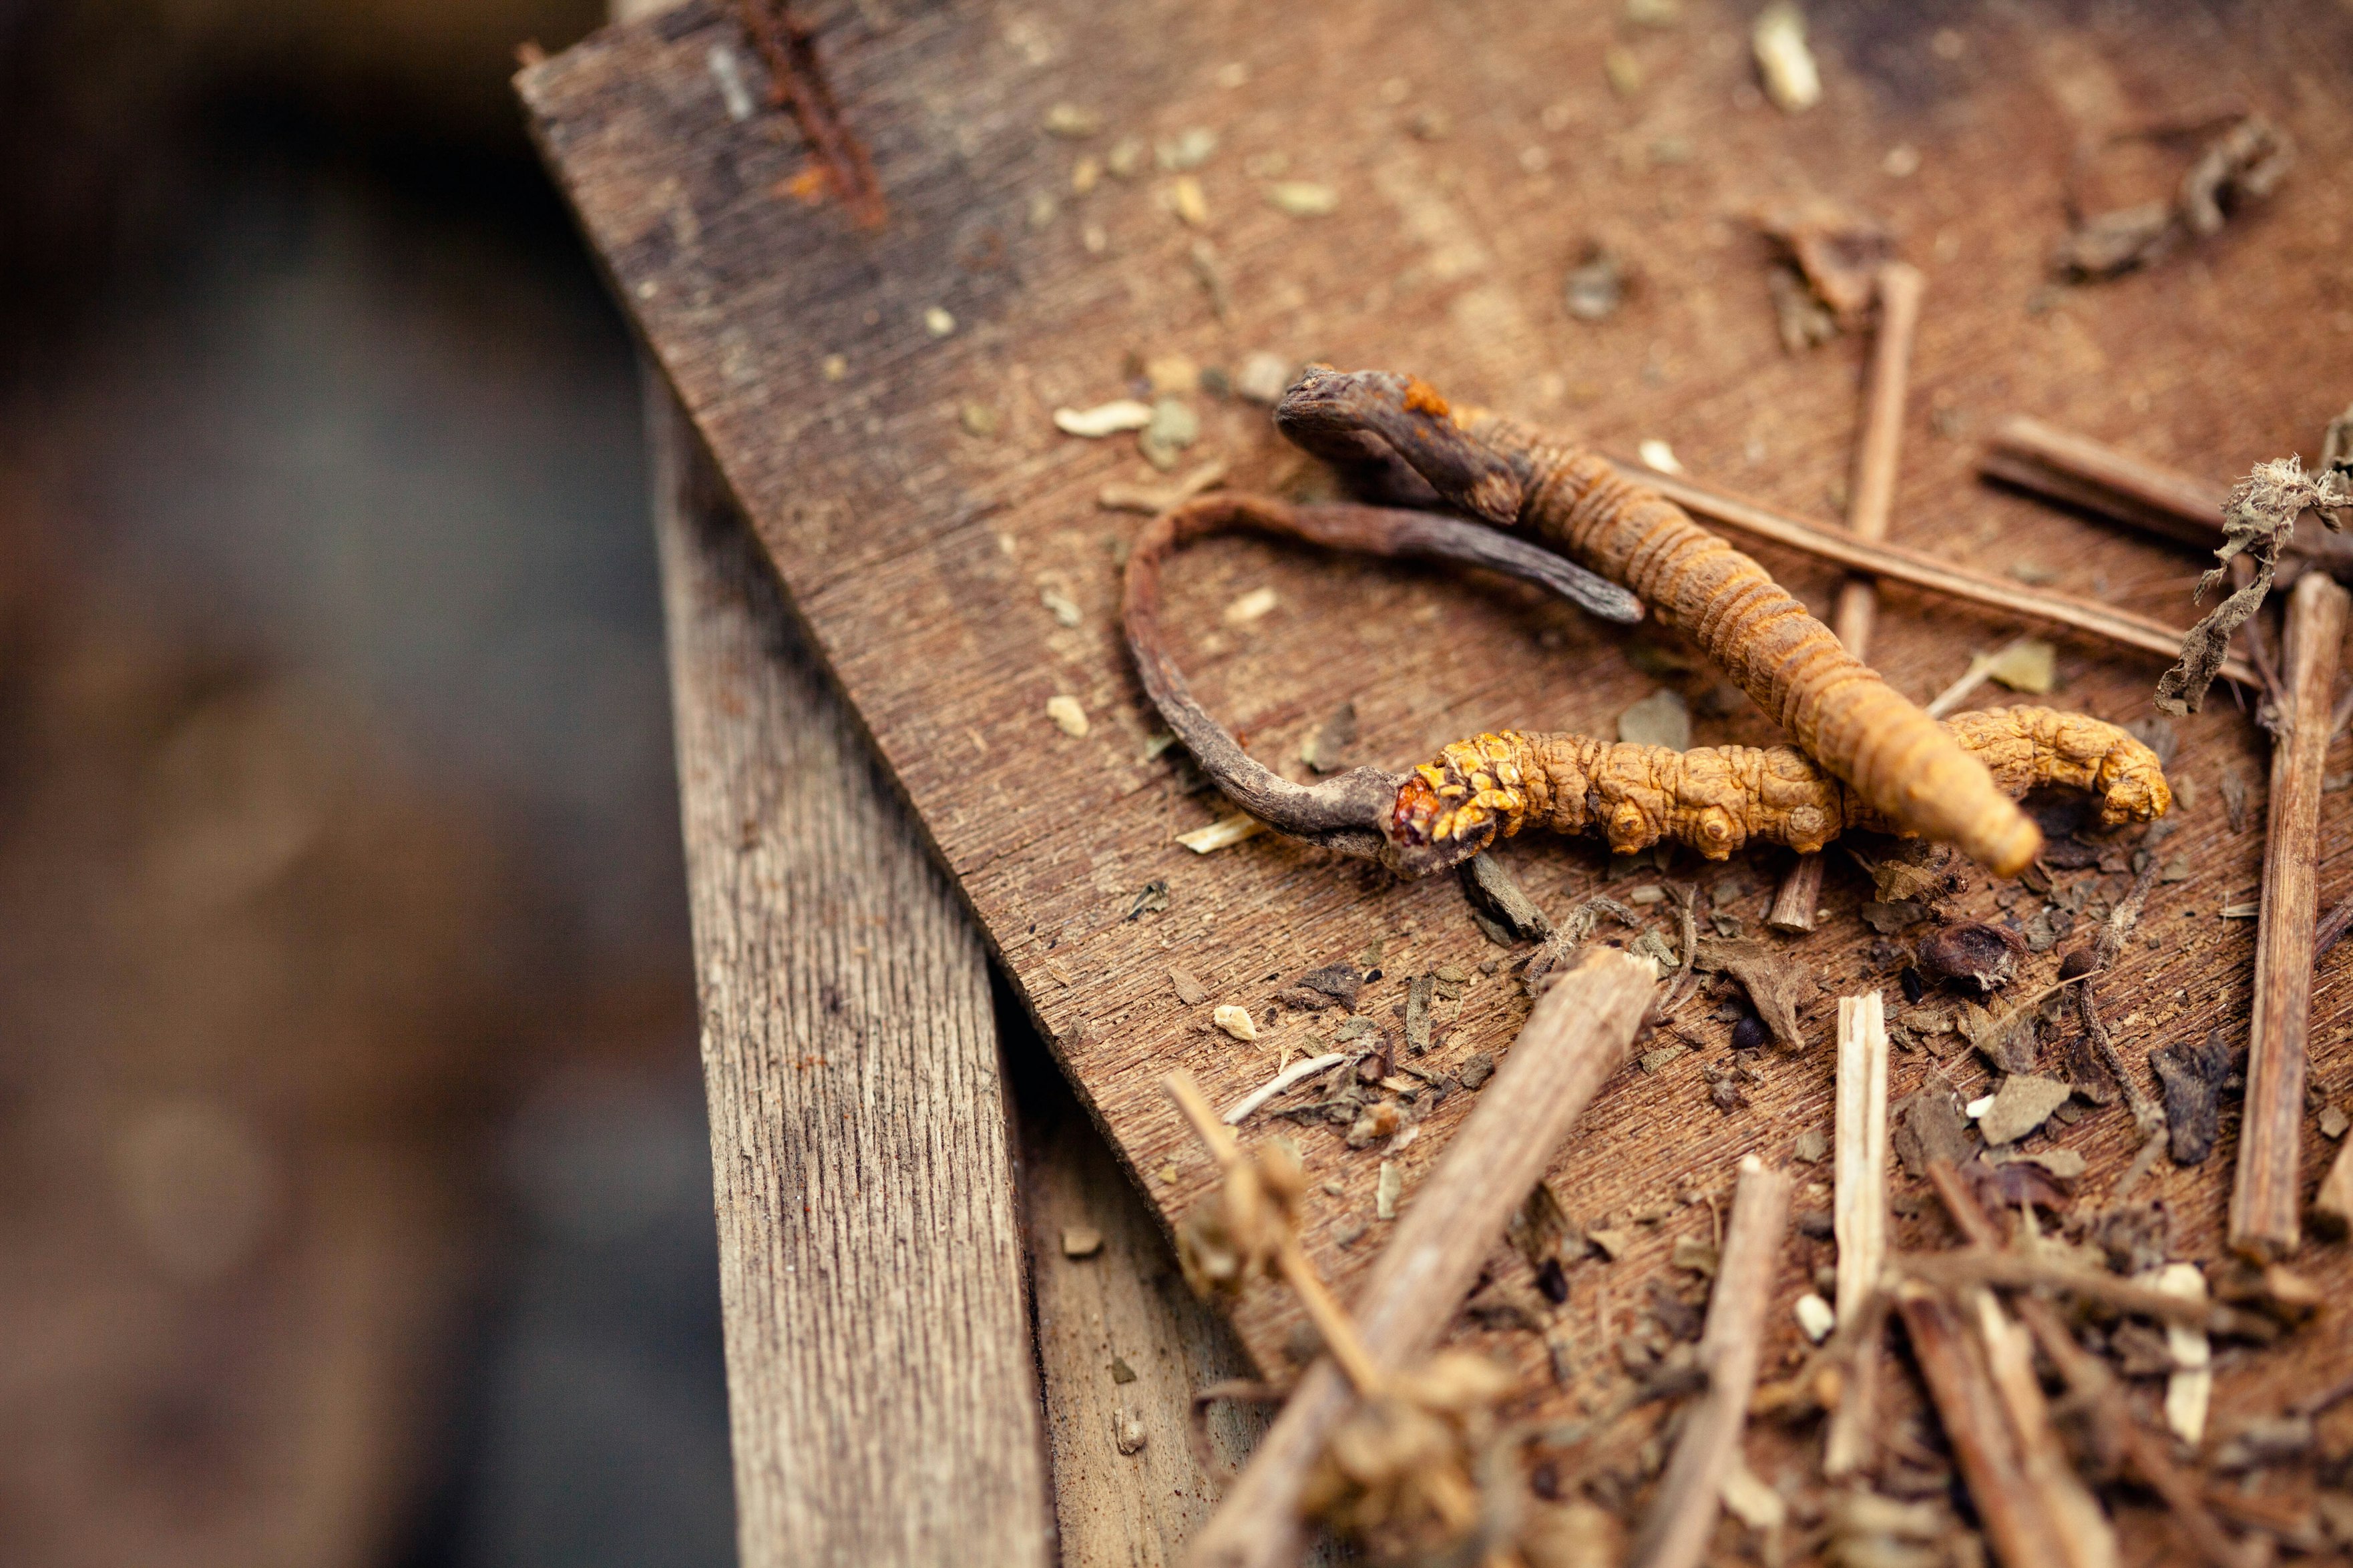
(1398, 433)
(1720, 799)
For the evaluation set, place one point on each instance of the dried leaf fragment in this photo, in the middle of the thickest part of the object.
(2023, 1104)
(1839, 251)
(1080, 1241)
(1776, 985)
(1327, 749)
(1973, 953)
(2191, 1074)
(1189, 990)
(1235, 1021)
(1491, 888)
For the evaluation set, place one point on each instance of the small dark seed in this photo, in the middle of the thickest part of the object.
(1553, 1280)
(1750, 1033)
(1915, 984)
(2077, 963)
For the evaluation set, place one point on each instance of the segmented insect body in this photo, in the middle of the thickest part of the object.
(1720, 799)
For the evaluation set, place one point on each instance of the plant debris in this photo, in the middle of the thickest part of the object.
(2257, 523)
(2192, 1074)
(1327, 748)
(1838, 251)
(1235, 1021)
(1778, 39)
(1080, 1241)
(1596, 285)
(1775, 983)
(2244, 163)
(1189, 991)
(1929, 1126)
(2023, 1104)
(1494, 892)
(1334, 986)
(1111, 418)
(1972, 953)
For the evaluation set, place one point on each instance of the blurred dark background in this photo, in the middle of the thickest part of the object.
(353, 1184)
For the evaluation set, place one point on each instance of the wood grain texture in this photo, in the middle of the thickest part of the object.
(881, 1385)
(921, 552)
(2268, 1187)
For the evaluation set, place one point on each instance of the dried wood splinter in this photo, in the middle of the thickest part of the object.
(1716, 800)
(1400, 436)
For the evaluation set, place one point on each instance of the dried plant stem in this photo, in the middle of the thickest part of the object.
(2147, 1114)
(1859, 1214)
(1574, 1038)
(1859, 1349)
(1952, 1361)
(2118, 1435)
(1331, 1320)
(1675, 1532)
(2264, 1196)
(2083, 473)
(1895, 563)
(1954, 1270)
(1859, 1202)
(1873, 495)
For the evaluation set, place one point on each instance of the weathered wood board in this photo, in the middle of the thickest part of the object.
(901, 468)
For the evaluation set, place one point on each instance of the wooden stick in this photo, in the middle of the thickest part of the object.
(1895, 563)
(1798, 901)
(1846, 1448)
(2163, 502)
(1859, 1214)
(1574, 1038)
(2018, 1521)
(2085, 1537)
(1339, 1330)
(1675, 1532)
(1952, 1270)
(2083, 473)
(2088, 1380)
(2264, 1196)
(1874, 496)
(1859, 1203)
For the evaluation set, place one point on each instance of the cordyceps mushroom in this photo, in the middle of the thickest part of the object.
(1402, 440)
(1714, 799)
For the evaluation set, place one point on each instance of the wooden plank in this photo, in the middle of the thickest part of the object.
(881, 1388)
(1122, 1345)
(919, 549)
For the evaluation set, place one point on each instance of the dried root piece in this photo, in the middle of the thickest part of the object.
(1720, 799)
(1396, 432)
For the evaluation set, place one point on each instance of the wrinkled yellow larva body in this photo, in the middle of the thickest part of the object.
(1722, 799)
